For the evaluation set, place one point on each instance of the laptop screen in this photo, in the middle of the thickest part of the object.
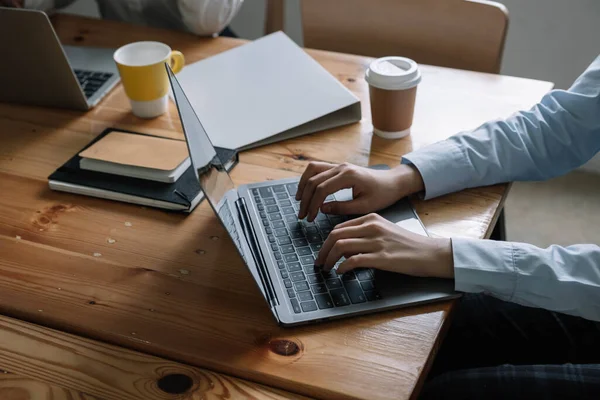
(210, 171)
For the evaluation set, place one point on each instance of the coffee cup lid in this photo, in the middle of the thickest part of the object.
(393, 73)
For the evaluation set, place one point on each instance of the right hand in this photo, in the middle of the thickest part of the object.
(372, 189)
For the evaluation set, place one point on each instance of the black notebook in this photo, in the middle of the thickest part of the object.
(182, 195)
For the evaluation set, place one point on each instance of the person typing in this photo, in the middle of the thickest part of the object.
(534, 308)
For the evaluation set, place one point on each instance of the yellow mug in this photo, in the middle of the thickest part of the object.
(142, 69)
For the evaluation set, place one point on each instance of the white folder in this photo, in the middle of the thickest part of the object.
(266, 91)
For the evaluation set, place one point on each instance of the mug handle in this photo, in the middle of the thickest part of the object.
(177, 60)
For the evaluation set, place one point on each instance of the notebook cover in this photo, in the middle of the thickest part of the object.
(138, 151)
(181, 192)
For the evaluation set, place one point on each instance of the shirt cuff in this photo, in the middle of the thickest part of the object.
(484, 266)
(443, 167)
(43, 5)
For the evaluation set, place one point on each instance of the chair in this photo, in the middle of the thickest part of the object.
(274, 16)
(465, 34)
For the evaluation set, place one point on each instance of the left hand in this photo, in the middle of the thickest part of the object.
(374, 242)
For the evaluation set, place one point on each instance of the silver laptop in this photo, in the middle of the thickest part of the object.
(279, 250)
(36, 69)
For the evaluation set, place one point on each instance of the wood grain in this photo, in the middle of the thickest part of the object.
(172, 285)
(16, 387)
(54, 365)
(145, 309)
(466, 34)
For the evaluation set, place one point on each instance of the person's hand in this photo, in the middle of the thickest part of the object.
(374, 242)
(12, 3)
(372, 189)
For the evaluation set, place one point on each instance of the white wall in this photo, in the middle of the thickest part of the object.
(552, 40)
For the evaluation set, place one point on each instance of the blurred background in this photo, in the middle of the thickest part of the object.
(553, 40)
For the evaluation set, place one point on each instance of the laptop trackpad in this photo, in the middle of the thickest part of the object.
(343, 195)
(413, 225)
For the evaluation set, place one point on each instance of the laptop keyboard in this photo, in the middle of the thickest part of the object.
(91, 81)
(294, 245)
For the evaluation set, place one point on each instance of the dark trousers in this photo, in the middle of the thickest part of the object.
(500, 350)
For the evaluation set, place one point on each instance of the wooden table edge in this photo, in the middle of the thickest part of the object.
(53, 358)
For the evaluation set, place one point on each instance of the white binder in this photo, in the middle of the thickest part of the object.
(266, 91)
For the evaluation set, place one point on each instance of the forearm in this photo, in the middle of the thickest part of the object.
(562, 279)
(208, 17)
(560, 133)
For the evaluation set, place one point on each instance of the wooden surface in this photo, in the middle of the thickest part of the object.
(450, 33)
(172, 285)
(16, 387)
(48, 362)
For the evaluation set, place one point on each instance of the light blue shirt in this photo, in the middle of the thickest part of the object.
(558, 134)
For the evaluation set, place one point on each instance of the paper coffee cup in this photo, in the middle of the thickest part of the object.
(393, 89)
(144, 77)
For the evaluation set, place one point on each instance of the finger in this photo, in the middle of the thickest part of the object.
(353, 232)
(324, 189)
(347, 248)
(356, 206)
(310, 187)
(312, 169)
(358, 221)
(363, 260)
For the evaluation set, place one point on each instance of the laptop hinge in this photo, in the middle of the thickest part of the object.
(250, 235)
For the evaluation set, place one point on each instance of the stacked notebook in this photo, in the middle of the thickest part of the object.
(136, 168)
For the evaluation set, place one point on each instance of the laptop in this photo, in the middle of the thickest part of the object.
(37, 70)
(279, 249)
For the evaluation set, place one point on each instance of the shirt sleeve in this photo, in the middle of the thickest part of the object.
(561, 279)
(208, 17)
(557, 135)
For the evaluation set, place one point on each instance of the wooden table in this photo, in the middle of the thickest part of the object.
(172, 285)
